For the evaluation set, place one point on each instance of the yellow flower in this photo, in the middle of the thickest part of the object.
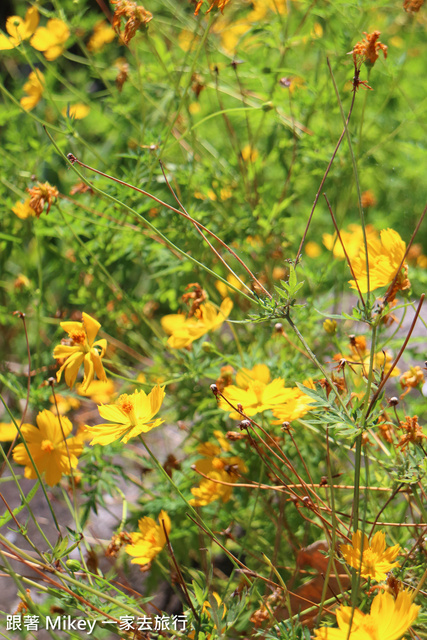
(149, 540)
(183, 331)
(19, 29)
(8, 431)
(256, 392)
(376, 561)
(384, 258)
(248, 153)
(187, 40)
(76, 111)
(352, 239)
(82, 350)
(21, 282)
(224, 290)
(103, 33)
(130, 416)
(313, 249)
(295, 407)
(65, 404)
(99, 392)
(412, 378)
(23, 209)
(389, 619)
(330, 326)
(50, 39)
(51, 452)
(34, 87)
(220, 470)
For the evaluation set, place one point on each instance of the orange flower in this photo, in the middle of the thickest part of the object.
(40, 195)
(136, 16)
(367, 50)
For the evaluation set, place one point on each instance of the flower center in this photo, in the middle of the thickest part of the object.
(369, 560)
(258, 389)
(47, 446)
(78, 337)
(369, 627)
(125, 403)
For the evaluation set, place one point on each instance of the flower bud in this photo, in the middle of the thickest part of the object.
(330, 326)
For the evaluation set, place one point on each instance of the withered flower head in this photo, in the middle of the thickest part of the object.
(136, 16)
(194, 298)
(219, 4)
(40, 195)
(412, 6)
(117, 542)
(368, 199)
(413, 432)
(122, 66)
(367, 50)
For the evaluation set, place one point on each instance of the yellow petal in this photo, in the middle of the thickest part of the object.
(91, 326)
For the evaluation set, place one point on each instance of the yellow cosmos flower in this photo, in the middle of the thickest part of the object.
(206, 610)
(296, 406)
(352, 240)
(8, 431)
(384, 257)
(52, 454)
(103, 33)
(19, 29)
(219, 470)
(376, 561)
(255, 391)
(50, 39)
(131, 415)
(313, 249)
(82, 350)
(149, 540)
(34, 88)
(183, 331)
(64, 403)
(224, 290)
(389, 619)
(249, 154)
(76, 111)
(99, 392)
(23, 209)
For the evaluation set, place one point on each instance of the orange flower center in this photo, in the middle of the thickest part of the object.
(47, 446)
(78, 337)
(125, 403)
(370, 628)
